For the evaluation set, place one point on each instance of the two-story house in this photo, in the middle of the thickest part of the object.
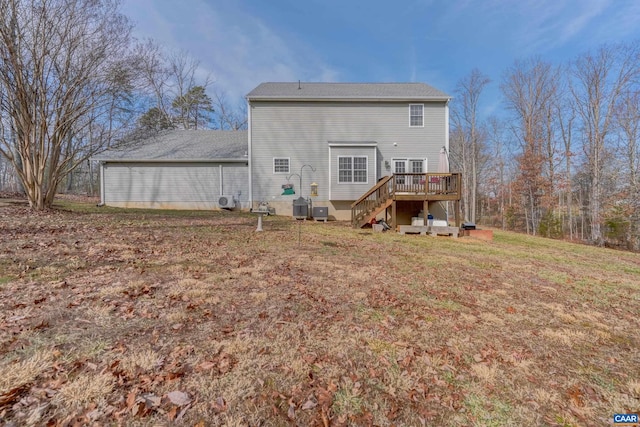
(371, 149)
(346, 138)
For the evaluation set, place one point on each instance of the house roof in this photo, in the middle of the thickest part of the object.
(294, 91)
(184, 146)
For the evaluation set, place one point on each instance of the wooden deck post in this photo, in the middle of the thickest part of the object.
(394, 219)
(458, 213)
(425, 211)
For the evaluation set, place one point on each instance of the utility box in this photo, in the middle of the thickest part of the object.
(300, 208)
(320, 213)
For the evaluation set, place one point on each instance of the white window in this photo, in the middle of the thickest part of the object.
(416, 115)
(417, 166)
(352, 169)
(281, 164)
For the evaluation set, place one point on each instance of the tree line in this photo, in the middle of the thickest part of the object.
(562, 158)
(73, 82)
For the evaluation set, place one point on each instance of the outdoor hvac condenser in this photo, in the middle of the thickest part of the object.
(300, 208)
(320, 213)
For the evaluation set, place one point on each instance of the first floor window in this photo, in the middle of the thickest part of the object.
(352, 169)
(281, 165)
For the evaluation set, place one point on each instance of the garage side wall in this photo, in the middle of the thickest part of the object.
(174, 185)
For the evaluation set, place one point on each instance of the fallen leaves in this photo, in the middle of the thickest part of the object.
(178, 398)
(240, 326)
(173, 405)
(12, 395)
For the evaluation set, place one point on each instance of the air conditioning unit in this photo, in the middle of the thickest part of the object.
(226, 202)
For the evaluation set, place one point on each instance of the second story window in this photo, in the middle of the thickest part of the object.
(416, 115)
(281, 165)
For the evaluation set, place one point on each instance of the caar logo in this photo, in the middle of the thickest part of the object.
(625, 419)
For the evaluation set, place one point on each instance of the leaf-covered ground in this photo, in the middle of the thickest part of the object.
(114, 316)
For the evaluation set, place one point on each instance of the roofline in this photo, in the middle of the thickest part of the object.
(353, 144)
(229, 160)
(350, 99)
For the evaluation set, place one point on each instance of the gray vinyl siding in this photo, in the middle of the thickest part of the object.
(303, 131)
(173, 185)
(352, 191)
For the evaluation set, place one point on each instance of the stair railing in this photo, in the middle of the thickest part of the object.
(376, 196)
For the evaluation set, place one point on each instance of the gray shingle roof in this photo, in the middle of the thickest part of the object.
(183, 145)
(346, 91)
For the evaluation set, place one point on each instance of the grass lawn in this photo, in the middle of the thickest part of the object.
(111, 316)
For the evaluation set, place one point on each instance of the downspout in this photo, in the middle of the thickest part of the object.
(249, 154)
(446, 144)
(221, 178)
(446, 126)
(329, 183)
(101, 204)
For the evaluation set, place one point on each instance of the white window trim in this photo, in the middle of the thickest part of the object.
(288, 159)
(407, 162)
(416, 126)
(396, 160)
(352, 182)
(424, 164)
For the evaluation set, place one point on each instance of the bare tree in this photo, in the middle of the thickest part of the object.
(497, 173)
(153, 74)
(176, 97)
(566, 117)
(529, 88)
(228, 117)
(599, 80)
(57, 78)
(187, 95)
(627, 116)
(469, 142)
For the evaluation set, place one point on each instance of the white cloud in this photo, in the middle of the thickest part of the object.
(240, 51)
(531, 27)
(550, 24)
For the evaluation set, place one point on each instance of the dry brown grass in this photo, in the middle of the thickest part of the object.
(18, 373)
(105, 312)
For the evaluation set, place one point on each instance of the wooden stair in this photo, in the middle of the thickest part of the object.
(374, 201)
(374, 213)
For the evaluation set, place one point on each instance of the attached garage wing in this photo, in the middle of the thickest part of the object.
(172, 185)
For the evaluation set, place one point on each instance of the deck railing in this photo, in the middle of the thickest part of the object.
(424, 186)
(427, 183)
(376, 196)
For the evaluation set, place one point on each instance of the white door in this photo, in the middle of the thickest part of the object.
(400, 166)
(416, 166)
(409, 166)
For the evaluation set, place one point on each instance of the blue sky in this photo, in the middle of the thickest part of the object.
(242, 43)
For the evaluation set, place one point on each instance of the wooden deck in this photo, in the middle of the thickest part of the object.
(397, 188)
